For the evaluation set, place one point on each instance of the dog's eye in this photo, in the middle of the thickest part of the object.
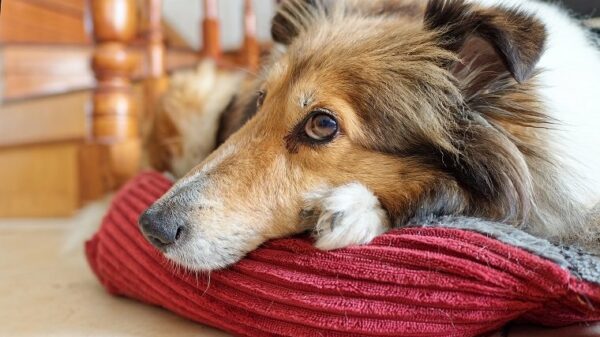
(260, 98)
(321, 126)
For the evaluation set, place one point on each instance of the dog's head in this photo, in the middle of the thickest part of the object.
(424, 106)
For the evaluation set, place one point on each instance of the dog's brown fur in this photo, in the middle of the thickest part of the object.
(438, 115)
(466, 136)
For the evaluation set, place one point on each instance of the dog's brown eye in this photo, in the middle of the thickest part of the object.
(260, 98)
(321, 126)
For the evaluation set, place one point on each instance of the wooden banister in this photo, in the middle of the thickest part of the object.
(155, 40)
(211, 33)
(114, 123)
(155, 83)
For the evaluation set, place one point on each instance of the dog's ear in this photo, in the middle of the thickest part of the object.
(291, 17)
(491, 45)
(487, 38)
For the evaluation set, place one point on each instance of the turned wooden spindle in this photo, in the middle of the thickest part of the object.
(155, 83)
(211, 34)
(113, 120)
(251, 49)
(155, 40)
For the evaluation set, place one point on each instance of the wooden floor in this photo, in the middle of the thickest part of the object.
(48, 290)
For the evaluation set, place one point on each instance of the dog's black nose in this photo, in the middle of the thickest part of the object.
(159, 229)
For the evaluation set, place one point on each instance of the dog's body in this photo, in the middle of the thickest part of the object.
(568, 87)
(373, 114)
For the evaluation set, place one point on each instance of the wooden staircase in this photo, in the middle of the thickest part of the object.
(50, 162)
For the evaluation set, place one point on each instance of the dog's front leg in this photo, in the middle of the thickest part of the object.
(343, 216)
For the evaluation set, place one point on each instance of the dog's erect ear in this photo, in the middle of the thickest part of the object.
(291, 16)
(488, 37)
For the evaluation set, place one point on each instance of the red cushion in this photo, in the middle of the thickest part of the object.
(408, 282)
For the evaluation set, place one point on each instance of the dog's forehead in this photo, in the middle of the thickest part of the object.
(286, 83)
(329, 52)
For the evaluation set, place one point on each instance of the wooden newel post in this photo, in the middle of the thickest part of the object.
(114, 122)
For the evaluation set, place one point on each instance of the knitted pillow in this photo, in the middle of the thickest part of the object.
(444, 278)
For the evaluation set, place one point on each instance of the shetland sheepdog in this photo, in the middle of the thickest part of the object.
(374, 114)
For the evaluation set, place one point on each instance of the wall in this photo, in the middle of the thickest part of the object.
(185, 15)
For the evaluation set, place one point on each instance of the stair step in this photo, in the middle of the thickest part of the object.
(43, 21)
(31, 71)
(39, 180)
(44, 120)
(40, 70)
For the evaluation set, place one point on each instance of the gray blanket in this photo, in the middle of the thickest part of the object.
(580, 263)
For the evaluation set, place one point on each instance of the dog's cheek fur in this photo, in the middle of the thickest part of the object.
(233, 203)
(251, 189)
(406, 187)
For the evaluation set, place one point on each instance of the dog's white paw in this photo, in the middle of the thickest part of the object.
(344, 216)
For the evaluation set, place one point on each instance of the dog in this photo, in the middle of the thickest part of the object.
(375, 114)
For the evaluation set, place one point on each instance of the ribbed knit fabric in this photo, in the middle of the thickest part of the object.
(422, 282)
